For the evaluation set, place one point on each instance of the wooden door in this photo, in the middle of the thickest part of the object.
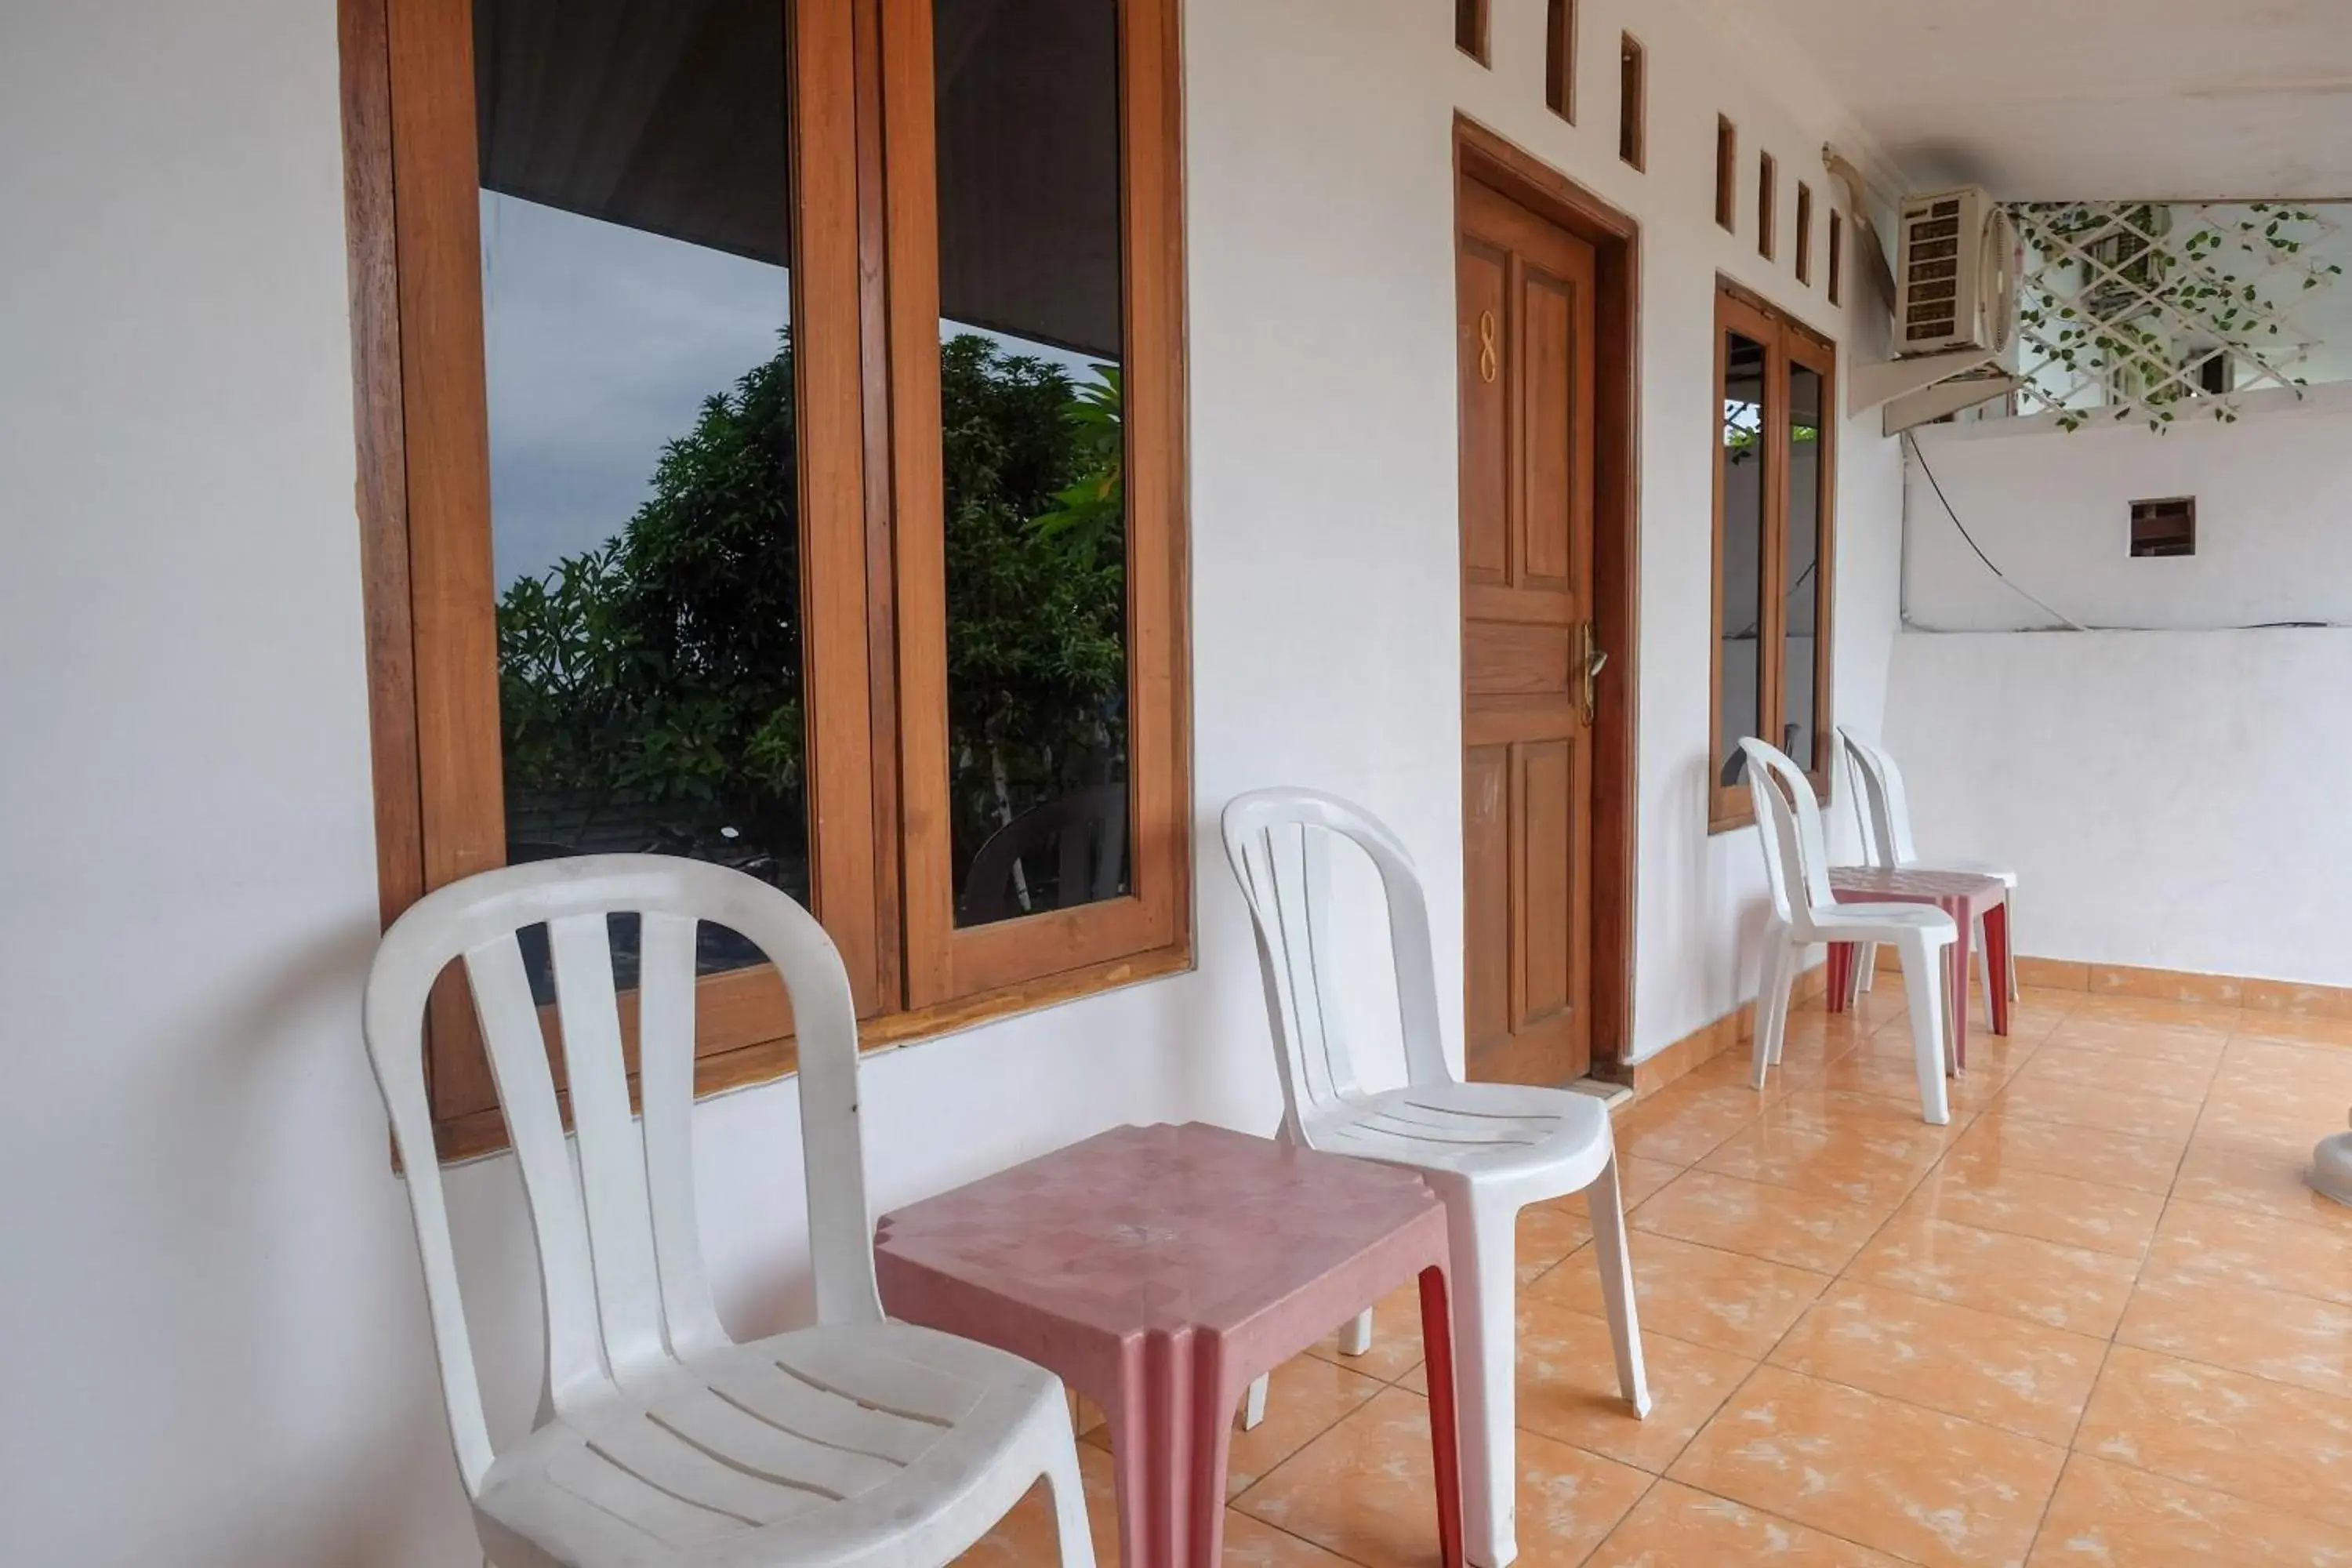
(1524, 319)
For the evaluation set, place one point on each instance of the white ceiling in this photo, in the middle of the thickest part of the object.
(2082, 99)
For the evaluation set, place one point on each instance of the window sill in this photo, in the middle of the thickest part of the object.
(483, 1133)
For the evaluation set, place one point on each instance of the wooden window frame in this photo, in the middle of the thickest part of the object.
(1787, 342)
(1633, 102)
(1560, 59)
(1727, 174)
(873, 606)
(1804, 234)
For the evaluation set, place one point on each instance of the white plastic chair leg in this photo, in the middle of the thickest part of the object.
(2009, 906)
(1254, 1405)
(1356, 1339)
(1923, 986)
(1792, 961)
(1486, 1346)
(1070, 1491)
(1865, 967)
(1768, 985)
(1605, 1201)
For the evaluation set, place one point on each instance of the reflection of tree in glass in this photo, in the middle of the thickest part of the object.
(1036, 578)
(650, 690)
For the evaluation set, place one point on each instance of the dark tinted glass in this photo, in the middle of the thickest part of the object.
(1800, 569)
(636, 234)
(1031, 291)
(1740, 617)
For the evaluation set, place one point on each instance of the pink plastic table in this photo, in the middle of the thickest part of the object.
(1963, 895)
(1158, 1270)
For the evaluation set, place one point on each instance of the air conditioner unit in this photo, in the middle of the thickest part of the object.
(1957, 274)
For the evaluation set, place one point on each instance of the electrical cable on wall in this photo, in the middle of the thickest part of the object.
(1921, 458)
(2066, 622)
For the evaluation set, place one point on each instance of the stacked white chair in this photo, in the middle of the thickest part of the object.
(1805, 912)
(857, 1443)
(1886, 813)
(1487, 1150)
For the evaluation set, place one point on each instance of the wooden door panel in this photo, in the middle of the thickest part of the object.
(1502, 658)
(1486, 894)
(1546, 846)
(1483, 316)
(1526, 330)
(1548, 342)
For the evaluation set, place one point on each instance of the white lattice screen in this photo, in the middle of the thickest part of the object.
(2156, 310)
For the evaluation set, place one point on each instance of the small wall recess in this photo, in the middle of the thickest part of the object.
(2165, 527)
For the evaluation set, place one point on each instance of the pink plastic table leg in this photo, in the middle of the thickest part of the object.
(1171, 1441)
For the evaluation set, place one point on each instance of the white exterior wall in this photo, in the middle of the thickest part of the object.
(209, 1318)
(2168, 795)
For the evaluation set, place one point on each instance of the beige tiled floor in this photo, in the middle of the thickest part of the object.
(2098, 1320)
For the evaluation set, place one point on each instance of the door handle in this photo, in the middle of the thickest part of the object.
(1595, 661)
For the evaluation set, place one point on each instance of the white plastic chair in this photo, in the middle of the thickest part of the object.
(1804, 911)
(1486, 1149)
(1885, 814)
(856, 1442)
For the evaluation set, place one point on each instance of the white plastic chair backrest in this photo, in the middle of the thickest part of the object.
(1796, 850)
(1278, 842)
(621, 1273)
(1886, 809)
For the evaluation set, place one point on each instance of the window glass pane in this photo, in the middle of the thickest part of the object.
(1739, 630)
(1799, 567)
(636, 239)
(1031, 292)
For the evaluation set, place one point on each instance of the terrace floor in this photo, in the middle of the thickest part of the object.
(2098, 1320)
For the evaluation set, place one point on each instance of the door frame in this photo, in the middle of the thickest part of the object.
(1483, 157)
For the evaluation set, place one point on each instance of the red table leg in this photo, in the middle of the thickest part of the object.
(1444, 1438)
(1840, 962)
(1998, 959)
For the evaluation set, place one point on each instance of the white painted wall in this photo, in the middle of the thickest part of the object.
(209, 1326)
(2053, 511)
(2169, 795)
(2170, 799)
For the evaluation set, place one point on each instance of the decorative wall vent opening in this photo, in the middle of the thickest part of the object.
(1727, 172)
(1768, 205)
(2166, 527)
(1804, 233)
(1632, 102)
(2150, 310)
(1470, 28)
(1837, 257)
(1559, 59)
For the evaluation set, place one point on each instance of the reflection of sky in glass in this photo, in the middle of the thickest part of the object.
(602, 344)
(1741, 418)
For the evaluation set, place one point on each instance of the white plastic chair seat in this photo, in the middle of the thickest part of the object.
(1861, 919)
(826, 1445)
(1556, 1139)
